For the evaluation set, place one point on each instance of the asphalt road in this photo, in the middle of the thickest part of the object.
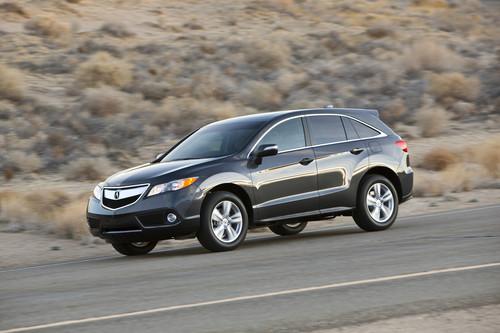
(316, 280)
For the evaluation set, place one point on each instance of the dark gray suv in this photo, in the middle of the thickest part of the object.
(279, 169)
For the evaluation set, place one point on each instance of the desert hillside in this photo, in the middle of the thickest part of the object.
(88, 87)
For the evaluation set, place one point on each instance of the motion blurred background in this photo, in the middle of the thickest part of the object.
(89, 87)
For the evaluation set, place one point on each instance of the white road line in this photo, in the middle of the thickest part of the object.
(249, 297)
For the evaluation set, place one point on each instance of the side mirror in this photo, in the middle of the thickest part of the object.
(263, 151)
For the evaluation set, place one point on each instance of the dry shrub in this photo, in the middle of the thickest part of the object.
(174, 112)
(461, 177)
(88, 169)
(454, 85)
(69, 221)
(116, 29)
(394, 110)
(431, 3)
(261, 95)
(487, 154)
(104, 69)
(21, 161)
(439, 159)
(11, 83)
(105, 101)
(13, 8)
(431, 121)
(49, 26)
(429, 55)
(428, 184)
(154, 90)
(266, 54)
(380, 31)
(54, 212)
(462, 109)
(280, 6)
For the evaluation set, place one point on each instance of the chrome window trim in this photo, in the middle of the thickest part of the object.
(380, 135)
(123, 187)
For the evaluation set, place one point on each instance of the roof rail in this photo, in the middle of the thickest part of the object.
(329, 106)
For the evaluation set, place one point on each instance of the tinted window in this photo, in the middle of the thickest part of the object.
(363, 130)
(326, 129)
(349, 129)
(215, 140)
(287, 135)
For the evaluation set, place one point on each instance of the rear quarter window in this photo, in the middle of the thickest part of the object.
(362, 130)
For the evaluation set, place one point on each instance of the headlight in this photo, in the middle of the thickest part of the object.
(172, 186)
(98, 191)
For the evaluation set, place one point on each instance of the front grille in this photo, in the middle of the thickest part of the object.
(119, 197)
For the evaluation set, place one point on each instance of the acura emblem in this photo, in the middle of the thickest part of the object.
(117, 195)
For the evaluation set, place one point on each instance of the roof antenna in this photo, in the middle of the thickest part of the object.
(329, 106)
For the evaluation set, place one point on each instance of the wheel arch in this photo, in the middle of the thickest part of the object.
(239, 192)
(387, 173)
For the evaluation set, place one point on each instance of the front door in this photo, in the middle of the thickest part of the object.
(286, 184)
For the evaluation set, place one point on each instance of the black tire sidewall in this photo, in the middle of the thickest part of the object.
(206, 235)
(129, 249)
(362, 214)
(286, 230)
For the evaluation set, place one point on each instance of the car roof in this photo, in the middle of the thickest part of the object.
(278, 115)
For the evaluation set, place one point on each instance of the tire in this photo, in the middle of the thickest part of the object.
(134, 249)
(225, 229)
(288, 229)
(365, 213)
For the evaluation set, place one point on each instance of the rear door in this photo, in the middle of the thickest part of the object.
(341, 158)
(285, 184)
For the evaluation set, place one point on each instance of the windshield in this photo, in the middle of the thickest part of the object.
(215, 140)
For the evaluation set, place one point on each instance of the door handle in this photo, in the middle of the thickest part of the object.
(306, 160)
(357, 151)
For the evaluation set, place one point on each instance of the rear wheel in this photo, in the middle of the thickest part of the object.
(135, 248)
(377, 204)
(288, 229)
(223, 223)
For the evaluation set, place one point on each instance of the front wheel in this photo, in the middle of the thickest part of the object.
(135, 248)
(377, 204)
(288, 229)
(223, 222)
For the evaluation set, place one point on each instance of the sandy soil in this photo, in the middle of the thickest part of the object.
(483, 319)
(28, 248)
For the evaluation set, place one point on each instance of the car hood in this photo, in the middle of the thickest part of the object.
(151, 172)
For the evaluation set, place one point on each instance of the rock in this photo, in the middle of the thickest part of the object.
(55, 248)
(448, 198)
(473, 200)
(433, 204)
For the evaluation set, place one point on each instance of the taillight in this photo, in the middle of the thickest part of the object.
(402, 144)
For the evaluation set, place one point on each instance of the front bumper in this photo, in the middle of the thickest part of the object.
(146, 219)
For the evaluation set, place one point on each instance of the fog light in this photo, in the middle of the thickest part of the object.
(171, 217)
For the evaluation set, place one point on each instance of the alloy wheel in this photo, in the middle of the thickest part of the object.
(226, 221)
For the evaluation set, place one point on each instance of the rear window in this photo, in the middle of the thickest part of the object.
(326, 129)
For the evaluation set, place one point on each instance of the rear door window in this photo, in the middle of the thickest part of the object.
(326, 129)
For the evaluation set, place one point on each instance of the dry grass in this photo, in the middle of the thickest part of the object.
(430, 55)
(454, 85)
(49, 26)
(88, 169)
(439, 159)
(432, 121)
(104, 69)
(11, 83)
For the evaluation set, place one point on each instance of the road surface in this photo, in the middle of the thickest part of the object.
(313, 281)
